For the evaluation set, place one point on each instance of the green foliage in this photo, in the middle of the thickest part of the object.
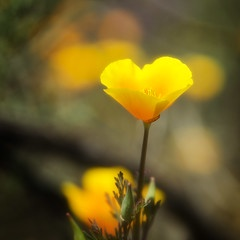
(121, 185)
(127, 205)
(78, 234)
(19, 19)
(19, 22)
(130, 207)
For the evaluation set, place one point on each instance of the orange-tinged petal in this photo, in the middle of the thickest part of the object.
(140, 105)
(77, 198)
(90, 206)
(121, 74)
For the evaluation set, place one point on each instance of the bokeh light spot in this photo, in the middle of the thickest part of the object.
(198, 150)
(208, 75)
(120, 24)
(79, 66)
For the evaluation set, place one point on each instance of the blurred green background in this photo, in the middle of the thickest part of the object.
(56, 122)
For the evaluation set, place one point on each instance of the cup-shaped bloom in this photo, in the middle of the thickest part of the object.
(146, 92)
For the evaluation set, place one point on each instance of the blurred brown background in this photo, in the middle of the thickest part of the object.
(55, 120)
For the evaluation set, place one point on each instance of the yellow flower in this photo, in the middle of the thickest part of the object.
(146, 92)
(73, 65)
(89, 202)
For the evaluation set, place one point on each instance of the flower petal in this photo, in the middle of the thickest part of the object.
(166, 75)
(77, 198)
(121, 74)
(140, 105)
(172, 97)
(99, 179)
(84, 205)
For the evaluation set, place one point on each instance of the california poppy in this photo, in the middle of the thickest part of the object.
(146, 92)
(89, 201)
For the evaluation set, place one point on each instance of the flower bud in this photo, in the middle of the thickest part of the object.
(127, 205)
(151, 190)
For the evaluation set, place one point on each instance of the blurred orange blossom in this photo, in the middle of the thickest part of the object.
(89, 202)
(146, 92)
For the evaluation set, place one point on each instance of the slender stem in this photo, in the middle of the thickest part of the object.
(125, 231)
(141, 170)
(136, 230)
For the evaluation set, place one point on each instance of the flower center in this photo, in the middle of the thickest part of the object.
(150, 92)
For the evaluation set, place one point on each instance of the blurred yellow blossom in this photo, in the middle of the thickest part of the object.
(89, 202)
(208, 76)
(146, 92)
(78, 66)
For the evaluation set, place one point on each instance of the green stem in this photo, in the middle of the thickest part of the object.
(141, 171)
(136, 230)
